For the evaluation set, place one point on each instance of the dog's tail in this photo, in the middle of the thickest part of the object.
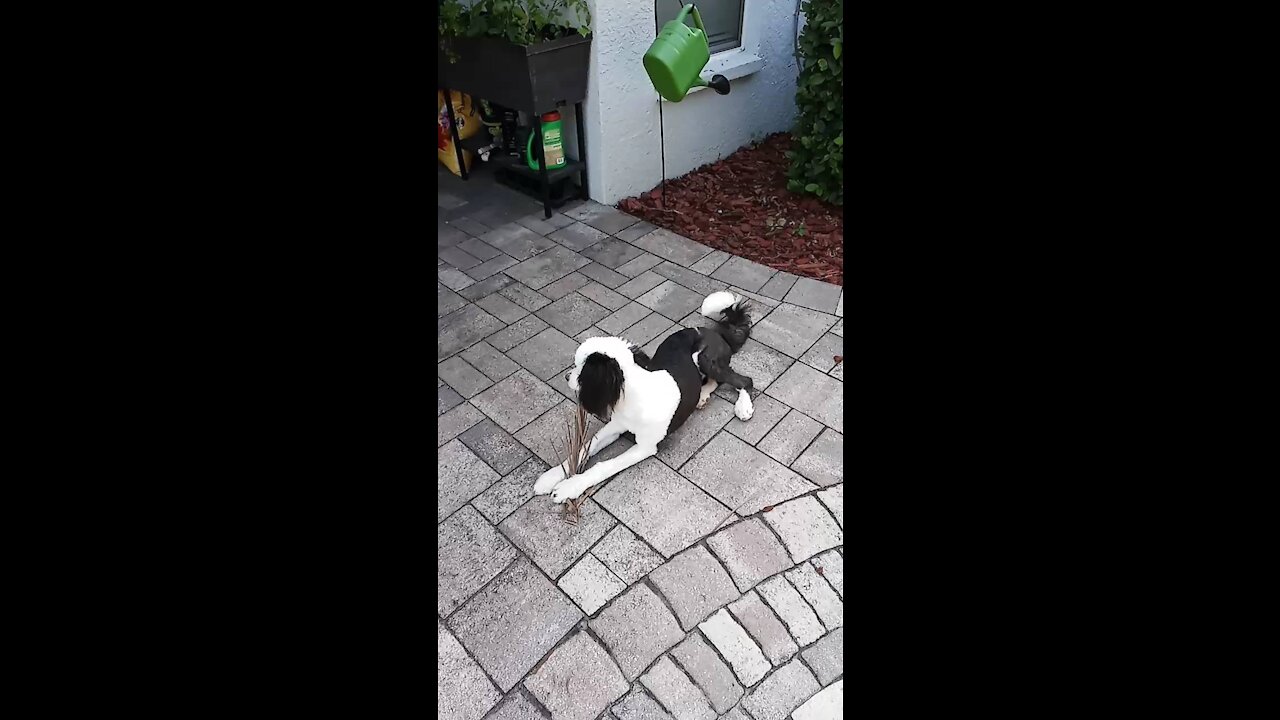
(731, 314)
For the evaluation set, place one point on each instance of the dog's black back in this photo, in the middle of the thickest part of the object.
(675, 355)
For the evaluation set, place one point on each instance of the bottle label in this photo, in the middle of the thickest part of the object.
(552, 148)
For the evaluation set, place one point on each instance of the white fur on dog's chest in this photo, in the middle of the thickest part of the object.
(648, 403)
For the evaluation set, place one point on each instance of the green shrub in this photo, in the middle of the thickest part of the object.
(523, 22)
(817, 153)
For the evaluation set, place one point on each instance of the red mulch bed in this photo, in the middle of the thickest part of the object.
(741, 205)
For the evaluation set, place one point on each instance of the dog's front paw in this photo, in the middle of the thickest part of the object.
(547, 480)
(702, 402)
(743, 408)
(565, 491)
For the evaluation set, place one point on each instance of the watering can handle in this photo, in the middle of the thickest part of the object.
(697, 16)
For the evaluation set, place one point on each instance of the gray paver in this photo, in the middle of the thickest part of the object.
(762, 364)
(629, 315)
(677, 692)
(782, 692)
(590, 584)
(806, 528)
(833, 498)
(539, 529)
(790, 437)
(462, 690)
(460, 476)
(521, 295)
(823, 462)
(511, 623)
(513, 490)
(517, 241)
(470, 553)
(448, 237)
(547, 267)
(626, 555)
(638, 705)
(447, 399)
(453, 423)
(779, 285)
(605, 218)
(768, 411)
(708, 264)
(447, 300)
(826, 657)
(821, 396)
(462, 377)
(818, 594)
(458, 258)
(545, 354)
(733, 642)
(494, 446)
(479, 250)
(830, 565)
(741, 477)
(750, 552)
(826, 705)
(454, 279)
(823, 354)
(462, 328)
(516, 401)
(485, 287)
(671, 299)
(792, 329)
(501, 308)
(667, 510)
(470, 225)
(670, 246)
(794, 612)
(603, 296)
(680, 445)
(637, 628)
(640, 284)
(744, 273)
(585, 335)
(695, 585)
(653, 326)
(639, 265)
(565, 285)
(578, 680)
(516, 333)
(760, 622)
(572, 314)
(613, 253)
(640, 229)
(815, 295)
(708, 671)
(651, 348)
(537, 223)
(694, 281)
(837, 372)
(840, 305)
(603, 275)
(577, 237)
(516, 707)
(485, 358)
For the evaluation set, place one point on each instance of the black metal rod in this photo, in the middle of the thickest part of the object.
(582, 148)
(453, 128)
(542, 169)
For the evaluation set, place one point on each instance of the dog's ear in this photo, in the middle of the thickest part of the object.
(600, 384)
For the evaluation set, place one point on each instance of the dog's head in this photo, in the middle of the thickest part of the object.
(599, 373)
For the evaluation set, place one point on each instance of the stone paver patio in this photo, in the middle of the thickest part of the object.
(705, 582)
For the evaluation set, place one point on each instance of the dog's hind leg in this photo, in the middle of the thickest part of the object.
(743, 407)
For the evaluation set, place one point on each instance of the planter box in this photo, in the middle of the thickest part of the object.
(533, 78)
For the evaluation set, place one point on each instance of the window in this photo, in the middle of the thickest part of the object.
(721, 18)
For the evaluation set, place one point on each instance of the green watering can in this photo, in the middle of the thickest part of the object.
(677, 56)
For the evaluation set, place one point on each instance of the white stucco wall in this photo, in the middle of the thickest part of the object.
(621, 111)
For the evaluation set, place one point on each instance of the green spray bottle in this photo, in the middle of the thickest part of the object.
(552, 143)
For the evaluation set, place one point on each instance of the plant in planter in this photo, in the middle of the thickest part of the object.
(520, 22)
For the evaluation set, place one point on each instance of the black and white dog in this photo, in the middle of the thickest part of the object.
(650, 398)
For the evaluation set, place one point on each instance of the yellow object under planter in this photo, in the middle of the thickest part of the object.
(464, 111)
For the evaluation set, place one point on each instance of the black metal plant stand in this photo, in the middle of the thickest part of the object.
(536, 79)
